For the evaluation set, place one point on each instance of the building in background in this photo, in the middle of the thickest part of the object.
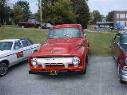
(120, 19)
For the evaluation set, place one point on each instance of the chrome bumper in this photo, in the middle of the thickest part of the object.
(123, 76)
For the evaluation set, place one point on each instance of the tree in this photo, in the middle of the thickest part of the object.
(91, 19)
(96, 16)
(58, 11)
(81, 11)
(110, 16)
(3, 12)
(21, 11)
(65, 11)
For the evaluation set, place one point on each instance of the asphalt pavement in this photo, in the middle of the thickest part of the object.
(100, 79)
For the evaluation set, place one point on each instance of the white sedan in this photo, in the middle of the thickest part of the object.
(13, 51)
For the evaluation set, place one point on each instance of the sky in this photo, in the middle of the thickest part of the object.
(32, 3)
(104, 6)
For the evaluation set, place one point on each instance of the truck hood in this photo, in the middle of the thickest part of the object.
(60, 46)
(5, 53)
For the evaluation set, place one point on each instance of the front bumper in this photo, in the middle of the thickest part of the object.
(53, 72)
(61, 70)
(123, 76)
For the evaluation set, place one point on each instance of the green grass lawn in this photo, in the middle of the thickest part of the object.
(99, 42)
(36, 35)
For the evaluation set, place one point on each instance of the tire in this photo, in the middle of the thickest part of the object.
(122, 82)
(3, 69)
(84, 70)
(87, 59)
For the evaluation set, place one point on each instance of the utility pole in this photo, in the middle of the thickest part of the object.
(41, 11)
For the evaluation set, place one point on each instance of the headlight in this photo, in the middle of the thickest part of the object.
(34, 62)
(126, 61)
(125, 68)
(76, 60)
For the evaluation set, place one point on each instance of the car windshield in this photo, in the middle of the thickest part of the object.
(64, 32)
(123, 39)
(5, 45)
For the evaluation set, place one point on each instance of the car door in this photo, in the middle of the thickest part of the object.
(18, 51)
(27, 47)
(116, 49)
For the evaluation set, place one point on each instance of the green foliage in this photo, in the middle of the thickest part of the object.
(58, 11)
(21, 11)
(96, 16)
(110, 16)
(4, 12)
(65, 11)
(91, 19)
(81, 11)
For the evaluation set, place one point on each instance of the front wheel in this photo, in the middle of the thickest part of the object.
(3, 69)
(84, 71)
(87, 60)
(122, 82)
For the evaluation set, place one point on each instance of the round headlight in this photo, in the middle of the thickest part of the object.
(76, 60)
(34, 62)
(126, 61)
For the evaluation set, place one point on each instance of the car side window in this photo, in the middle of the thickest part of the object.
(26, 43)
(17, 45)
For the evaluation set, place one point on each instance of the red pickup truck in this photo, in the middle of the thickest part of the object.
(66, 50)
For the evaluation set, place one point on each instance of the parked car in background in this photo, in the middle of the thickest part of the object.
(46, 25)
(30, 23)
(119, 48)
(66, 50)
(13, 51)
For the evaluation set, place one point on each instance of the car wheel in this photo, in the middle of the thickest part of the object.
(3, 69)
(87, 59)
(122, 82)
(84, 70)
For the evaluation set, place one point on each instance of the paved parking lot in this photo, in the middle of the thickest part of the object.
(101, 79)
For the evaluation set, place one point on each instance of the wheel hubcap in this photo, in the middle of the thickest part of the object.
(3, 69)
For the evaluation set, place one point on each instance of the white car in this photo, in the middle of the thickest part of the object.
(13, 51)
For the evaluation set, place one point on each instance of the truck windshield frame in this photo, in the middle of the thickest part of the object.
(64, 33)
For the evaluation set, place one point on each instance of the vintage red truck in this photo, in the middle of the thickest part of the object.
(66, 50)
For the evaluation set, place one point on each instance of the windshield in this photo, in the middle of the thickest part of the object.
(123, 39)
(5, 45)
(64, 32)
